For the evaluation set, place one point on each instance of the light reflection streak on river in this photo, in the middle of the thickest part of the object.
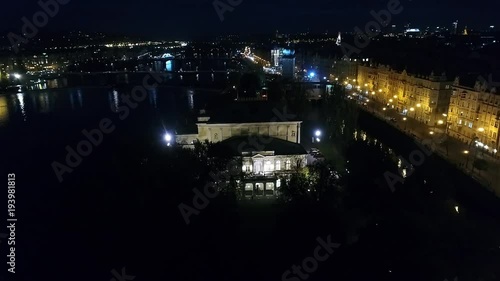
(402, 169)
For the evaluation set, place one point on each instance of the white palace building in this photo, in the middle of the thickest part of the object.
(259, 134)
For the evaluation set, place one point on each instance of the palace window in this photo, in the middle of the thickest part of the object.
(268, 166)
(288, 165)
(278, 165)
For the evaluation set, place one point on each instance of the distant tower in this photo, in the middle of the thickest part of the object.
(465, 31)
(339, 40)
(455, 27)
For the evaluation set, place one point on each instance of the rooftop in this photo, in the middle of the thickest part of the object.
(279, 146)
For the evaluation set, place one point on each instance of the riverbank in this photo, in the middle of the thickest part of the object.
(449, 149)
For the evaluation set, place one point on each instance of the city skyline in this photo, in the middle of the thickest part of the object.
(196, 18)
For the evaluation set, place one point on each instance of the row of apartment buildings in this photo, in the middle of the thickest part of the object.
(466, 109)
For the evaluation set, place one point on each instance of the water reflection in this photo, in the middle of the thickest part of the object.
(4, 111)
(153, 94)
(78, 98)
(114, 103)
(44, 100)
(191, 99)
(20, 99)
(404, 168)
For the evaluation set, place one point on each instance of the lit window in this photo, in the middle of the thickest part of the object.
(278, 165)
(268, 166)
(287, 165)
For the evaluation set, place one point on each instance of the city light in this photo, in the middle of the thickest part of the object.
(404, 118)
(317, 133)
(440, 122)
(390, 100)
(495, 150)
(431, 132)
(466, 152)
(419, 105)
(481, 129)
(412, 109)
(444, 114)
(380, 90)
(384, 108)
(312, 74)
(373, 93)
(17, 75)
(395, 96)
(168, 138)
(366, 85)
(456, 209)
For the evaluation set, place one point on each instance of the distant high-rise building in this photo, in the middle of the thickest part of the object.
(288, 63)
(465, 31)
(276, 55)
(339, 40)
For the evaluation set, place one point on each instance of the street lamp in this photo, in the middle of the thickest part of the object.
(404, 119)
(316, 136)
(17, 76)
(168, 138)
(440, 122)
(466, 152)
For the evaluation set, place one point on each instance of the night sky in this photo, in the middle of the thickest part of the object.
(189, 18)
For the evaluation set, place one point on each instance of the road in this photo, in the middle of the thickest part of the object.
(453, 150)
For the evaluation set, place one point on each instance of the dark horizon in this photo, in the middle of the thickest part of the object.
(195, 18)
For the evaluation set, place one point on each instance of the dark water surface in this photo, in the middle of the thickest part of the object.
(77, 230)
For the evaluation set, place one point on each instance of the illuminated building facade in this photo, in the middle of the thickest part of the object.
(265, 148)
(423, 97)
(474, 113)
(276, 55)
